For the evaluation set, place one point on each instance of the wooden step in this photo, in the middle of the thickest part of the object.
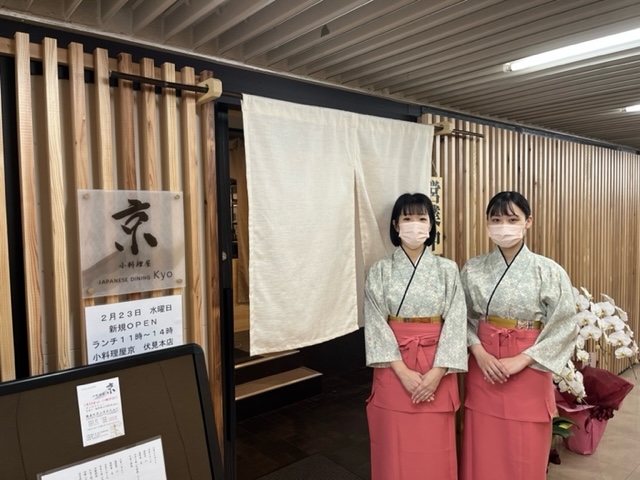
(275, 391)
(272, 382)
(264, 358)
(266, 365)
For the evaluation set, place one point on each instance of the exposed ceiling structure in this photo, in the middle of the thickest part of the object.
(442, 53)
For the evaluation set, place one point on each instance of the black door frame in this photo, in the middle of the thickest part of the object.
(225, 256)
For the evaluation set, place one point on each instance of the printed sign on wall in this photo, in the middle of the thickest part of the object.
(435, 194)
(117, 330)
(130, 241)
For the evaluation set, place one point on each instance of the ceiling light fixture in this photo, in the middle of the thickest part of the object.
(579, 51)
(633, 108)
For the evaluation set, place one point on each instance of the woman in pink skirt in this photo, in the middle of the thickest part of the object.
(521, 328)
(415, 337)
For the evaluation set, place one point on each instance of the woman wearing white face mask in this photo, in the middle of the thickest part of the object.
(415, 338)
(521, 328)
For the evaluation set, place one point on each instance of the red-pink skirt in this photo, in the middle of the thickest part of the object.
(413, 441)
(507, 427)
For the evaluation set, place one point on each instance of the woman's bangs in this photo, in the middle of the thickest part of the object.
(415, 208)
(502, 207)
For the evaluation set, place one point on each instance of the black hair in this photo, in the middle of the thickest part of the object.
(412, 204)
(502, 204)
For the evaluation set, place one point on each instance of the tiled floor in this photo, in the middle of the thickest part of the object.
(334, 425)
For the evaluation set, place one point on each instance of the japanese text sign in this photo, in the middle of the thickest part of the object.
(130, 241)
(435, 194)
(117, 330)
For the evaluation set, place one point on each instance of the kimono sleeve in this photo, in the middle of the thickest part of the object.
(452, 346)
(556, 342)
(380, 343)
(472, 316)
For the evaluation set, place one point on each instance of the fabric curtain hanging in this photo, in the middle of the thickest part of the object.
(394, 158)
(304, 165)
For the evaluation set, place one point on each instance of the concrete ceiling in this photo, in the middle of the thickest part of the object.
(442, 53)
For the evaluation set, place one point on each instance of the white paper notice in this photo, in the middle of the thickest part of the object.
(100, 408)
(144, 461)
(117, 330)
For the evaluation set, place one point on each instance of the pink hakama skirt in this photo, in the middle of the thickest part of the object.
(507, 427)
(410, 442)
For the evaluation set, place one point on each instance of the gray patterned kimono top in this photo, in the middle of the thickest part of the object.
(434, 290)
(533, 288)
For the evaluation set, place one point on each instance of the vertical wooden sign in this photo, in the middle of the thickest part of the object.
(435, 193)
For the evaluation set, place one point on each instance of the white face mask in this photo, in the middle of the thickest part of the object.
(413, 234)
(505, 235)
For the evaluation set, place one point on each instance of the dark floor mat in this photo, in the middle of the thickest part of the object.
(315, 467)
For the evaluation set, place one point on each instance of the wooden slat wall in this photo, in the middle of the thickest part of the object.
(585, 202)
(207, 115)
(125, 134)
(188, 126)
(169, 135)
(80, 157)
(146, 148)
(57, 218)
(7, 365)
(30, 239)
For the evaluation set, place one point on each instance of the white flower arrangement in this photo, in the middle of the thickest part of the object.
(601, 326)
(571, 381)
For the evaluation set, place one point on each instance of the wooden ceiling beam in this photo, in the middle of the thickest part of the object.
(262, 21)
(225, 18)
(502, 27)
(187, 14)
(69, 7)
(361, 20)
(147, 11)
(108, 8)
(439, 68)
(308, 20)
(414, 21)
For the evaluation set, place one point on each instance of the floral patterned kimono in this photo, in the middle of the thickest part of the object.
(507, 429)
(414, 441)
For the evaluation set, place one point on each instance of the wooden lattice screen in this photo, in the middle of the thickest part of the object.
(74, 134)
(585, 202)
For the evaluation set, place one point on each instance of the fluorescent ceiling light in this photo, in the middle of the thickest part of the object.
(633, 108)
(579, 51)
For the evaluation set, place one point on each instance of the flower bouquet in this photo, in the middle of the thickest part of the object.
(589, 395)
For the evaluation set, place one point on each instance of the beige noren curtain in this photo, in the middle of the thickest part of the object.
(304, 167)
